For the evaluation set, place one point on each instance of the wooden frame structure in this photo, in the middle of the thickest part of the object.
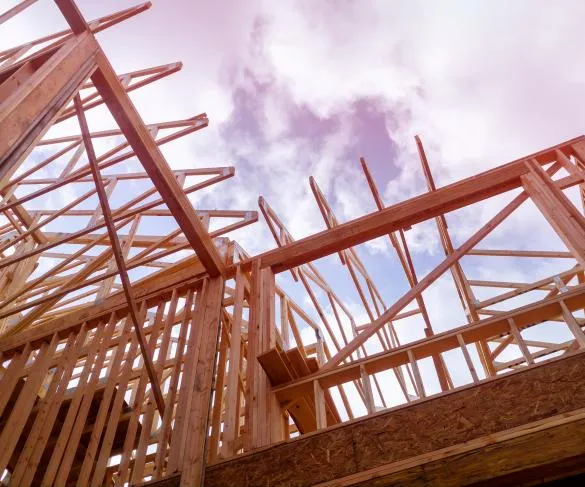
(132, 355)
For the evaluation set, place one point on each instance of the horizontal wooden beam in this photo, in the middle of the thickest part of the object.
(522, 253)
(142, 241)
(524, 317)
(415, 210)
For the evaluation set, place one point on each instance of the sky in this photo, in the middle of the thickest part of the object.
(299, 88)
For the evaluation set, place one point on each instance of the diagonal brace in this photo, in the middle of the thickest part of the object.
(117, 250)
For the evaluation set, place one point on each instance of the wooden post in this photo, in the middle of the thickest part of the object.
(320, 411)
(264, 414)
(232, 414)
(196, 438)
(370, 406)
(165, 430)
(284, 324)
(218, 397)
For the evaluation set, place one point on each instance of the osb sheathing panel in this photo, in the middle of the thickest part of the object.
(506, 402)
(545, 455)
